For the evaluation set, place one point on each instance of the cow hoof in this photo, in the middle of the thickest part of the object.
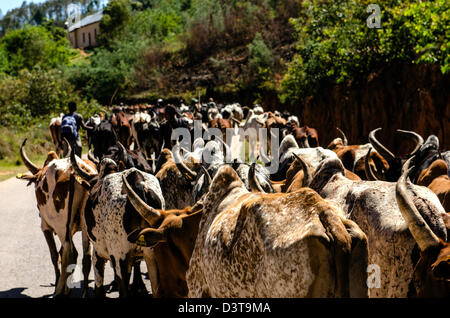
(113, 287)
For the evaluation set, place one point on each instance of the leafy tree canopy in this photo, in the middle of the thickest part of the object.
(30, 46)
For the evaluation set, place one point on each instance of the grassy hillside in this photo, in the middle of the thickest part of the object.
(280, 52)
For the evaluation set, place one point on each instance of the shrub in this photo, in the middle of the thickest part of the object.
(34, 95)
(33, 46)
(108, 72)
(156, 25)
(424, 31)
(219, 25)
(336, 45)
(260, 54)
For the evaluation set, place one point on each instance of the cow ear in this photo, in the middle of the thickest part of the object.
(28, 177)
(50, 157)
(134, 235)
(148, 237)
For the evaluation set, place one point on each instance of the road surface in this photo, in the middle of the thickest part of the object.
(26, 269)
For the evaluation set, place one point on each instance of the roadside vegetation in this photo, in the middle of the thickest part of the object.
(10, 141)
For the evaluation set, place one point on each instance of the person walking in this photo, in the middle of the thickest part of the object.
(70, 128)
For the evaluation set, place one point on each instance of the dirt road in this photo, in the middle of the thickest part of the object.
(25, 265)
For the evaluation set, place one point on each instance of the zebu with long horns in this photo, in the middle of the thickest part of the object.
(248, 245)
(354, 157)
(431, 277)
(373, 206)
(288, 147)
(60, 203)
(324, 252)
(171, 234)
(395, 162)
(110, 217)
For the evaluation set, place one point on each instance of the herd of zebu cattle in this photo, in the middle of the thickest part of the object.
(228, 228)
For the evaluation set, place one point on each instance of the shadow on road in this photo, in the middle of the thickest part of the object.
(111, 291)
(14, 293)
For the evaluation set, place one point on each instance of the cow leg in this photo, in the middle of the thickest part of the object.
(138, 286)
(69, 257)
(69, 253)
(86, 263)
(99, 273)
(124, 280)
(53, 253)
(114, 286)
(87, 256)
(115, 283)
(152, 270)
(122, 271)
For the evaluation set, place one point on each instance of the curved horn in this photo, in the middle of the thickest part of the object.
(27, 162)
(344, 138)
(264, 158)
(382, 150)
(68, 149)
(419, 229)
(253, 180)
(148, 213)
(86, 176)
(158, 160)
(92, 158)
(185, 150)
(370, 175)
(191, 175)
(227, 150)
(418, 138)
(207, 178)
(306, 172)
(124, 150)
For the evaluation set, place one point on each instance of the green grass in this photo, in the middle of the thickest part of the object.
(38, 144)
(11, 167)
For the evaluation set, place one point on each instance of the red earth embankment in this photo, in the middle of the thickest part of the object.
(403, 96)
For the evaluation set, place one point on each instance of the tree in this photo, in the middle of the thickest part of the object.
(38, 16)
(36, 13)
(116, 16)
(4, 65)
(336, 46)
(35, 45)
